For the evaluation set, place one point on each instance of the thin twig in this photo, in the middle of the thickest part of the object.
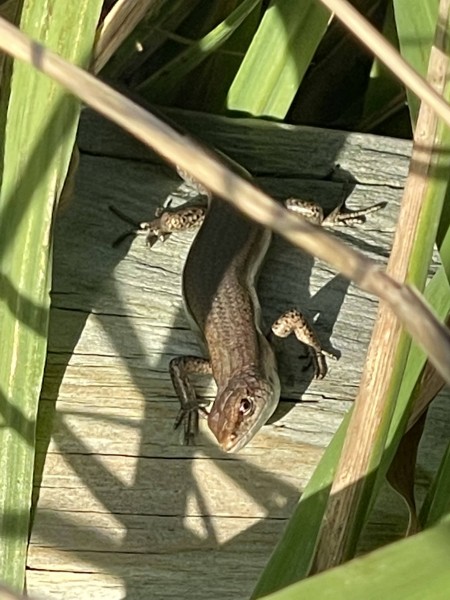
(209, 170)
(388, 55)
(124, 16)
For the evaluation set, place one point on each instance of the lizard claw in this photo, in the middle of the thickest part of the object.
(189, 415)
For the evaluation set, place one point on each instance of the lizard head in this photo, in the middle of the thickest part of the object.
(241, 408)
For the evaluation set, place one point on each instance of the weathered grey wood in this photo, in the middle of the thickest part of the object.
(124, 510)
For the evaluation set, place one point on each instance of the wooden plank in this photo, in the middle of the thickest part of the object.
(124, 510)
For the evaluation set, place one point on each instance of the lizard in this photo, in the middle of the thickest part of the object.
(218, 282)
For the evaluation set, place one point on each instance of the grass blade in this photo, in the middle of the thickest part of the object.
(162, 83)
(437, 501)
(363, 454)
(415, 20)
(293, 556)
(278, 58)
(38, 144)
(415, 568)
(208, 169)
(386, 53)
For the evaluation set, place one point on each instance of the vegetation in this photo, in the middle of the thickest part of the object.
(277, 60)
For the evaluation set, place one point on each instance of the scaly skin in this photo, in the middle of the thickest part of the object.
(219, 280)
(219, 291)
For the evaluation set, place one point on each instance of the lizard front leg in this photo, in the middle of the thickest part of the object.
(181, 368)
(313, 212)
(166, 221)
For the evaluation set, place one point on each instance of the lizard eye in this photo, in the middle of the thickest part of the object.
(246, 407)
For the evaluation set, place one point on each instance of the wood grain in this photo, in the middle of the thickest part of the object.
(123, 510)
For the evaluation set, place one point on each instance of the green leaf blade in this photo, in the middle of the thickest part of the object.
(414, 568)
(40, 126)
(278, 58)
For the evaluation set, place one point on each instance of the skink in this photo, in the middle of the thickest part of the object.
(220, 298)
(219, 292)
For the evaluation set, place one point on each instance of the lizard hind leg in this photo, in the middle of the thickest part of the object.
(293, 321)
